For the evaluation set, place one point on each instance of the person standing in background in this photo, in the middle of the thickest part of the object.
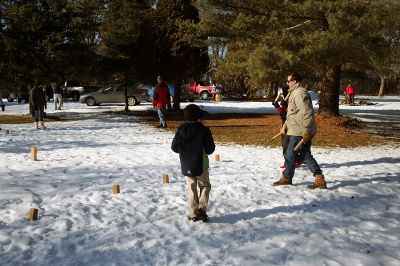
(2, 105)
(162, 101)
(350, 92)
(57, 95)
(37, 105)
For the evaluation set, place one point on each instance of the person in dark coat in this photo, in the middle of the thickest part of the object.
(194, 142)
(57, 95)
(281, 105)
(37, 105)
(2, 105)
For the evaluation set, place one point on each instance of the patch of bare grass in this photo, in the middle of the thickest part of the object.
(258, 129)
(23, 119)
(251, 129)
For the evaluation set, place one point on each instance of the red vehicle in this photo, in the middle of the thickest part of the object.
(204, 91)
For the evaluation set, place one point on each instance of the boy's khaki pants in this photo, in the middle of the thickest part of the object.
(196, 202)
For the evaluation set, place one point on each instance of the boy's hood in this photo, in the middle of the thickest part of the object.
(189, 130)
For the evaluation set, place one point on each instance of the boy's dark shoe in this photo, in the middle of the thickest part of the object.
(283, 181)
(194, 219)
(159, 126)
(202, 215)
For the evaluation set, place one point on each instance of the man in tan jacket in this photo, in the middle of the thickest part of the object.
(300, 124)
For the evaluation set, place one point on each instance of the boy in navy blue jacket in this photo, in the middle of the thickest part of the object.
(193, 141)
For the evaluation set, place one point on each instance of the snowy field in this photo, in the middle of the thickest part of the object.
(355, 222)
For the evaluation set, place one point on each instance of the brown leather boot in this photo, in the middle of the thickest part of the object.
(283, 181)
(318, 183)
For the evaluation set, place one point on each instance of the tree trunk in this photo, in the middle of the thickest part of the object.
(126, 92)
(382, 87)
(271, 91)
(329, 96)
(177, 94)
(126, 98)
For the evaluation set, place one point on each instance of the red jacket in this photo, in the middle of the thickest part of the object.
(350, 90)
(161, 96)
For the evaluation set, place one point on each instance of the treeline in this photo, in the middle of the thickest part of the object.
(98, 41)
(246, 45)
(328, 42)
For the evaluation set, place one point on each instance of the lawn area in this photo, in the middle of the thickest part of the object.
(251, 129)
(258, 129)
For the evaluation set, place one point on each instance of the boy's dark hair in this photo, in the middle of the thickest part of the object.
(192, 112)
(295, 76)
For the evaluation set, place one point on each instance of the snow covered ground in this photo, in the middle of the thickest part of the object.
(355, 222)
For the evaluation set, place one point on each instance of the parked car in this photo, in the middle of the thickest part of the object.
(21, 93)
(186, 95)
(115, 93)
(9, 95)
(73, 90)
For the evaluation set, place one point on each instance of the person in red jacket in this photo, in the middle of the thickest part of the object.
(162, 101)
(350, 92)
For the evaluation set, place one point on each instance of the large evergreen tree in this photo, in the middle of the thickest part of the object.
(315, 37)
(48, 40)
(182, 51)
(120, 31)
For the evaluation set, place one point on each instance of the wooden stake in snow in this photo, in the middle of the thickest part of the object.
(33, 214)
(115, 189)
(34, 153)
(217, 157)
(165, 178)
(7, 131)
(218, 97)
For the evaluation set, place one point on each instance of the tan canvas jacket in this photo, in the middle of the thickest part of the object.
(300, 115)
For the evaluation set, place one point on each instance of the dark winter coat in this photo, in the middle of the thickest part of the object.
(56, 88)
(37, 99)
(193, 141)
(282, 109)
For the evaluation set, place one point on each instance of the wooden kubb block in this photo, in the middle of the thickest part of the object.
(116, 189)
(33, 214)
(217, 157)
(34, 153)
(7, 131)
(165, 178)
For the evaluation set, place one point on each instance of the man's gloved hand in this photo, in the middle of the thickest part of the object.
(306, 136)
(283, 129)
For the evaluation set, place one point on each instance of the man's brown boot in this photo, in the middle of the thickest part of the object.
(318, 183)
(282, 181)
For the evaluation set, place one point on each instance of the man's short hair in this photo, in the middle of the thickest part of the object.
(296, 76)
